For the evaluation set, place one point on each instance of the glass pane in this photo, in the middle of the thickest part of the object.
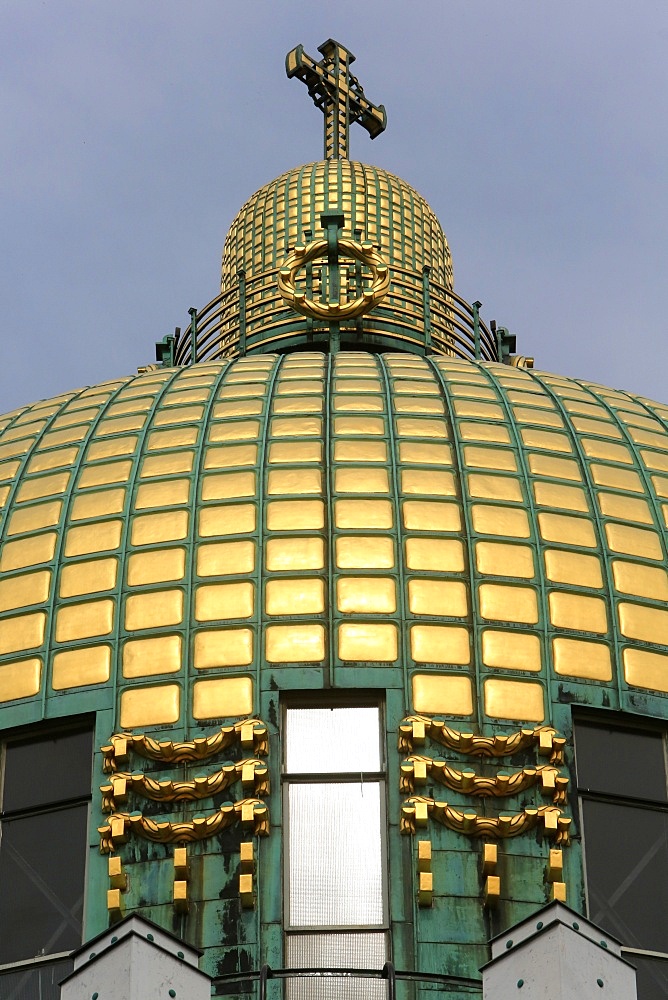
(651, 976)
(47, 770)
(621, 762)
(335, 855)
(328, 740)
(347, 951)
(42, 861)
(32, 982)
(627, 871)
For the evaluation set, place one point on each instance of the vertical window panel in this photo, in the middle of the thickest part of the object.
(335, 850)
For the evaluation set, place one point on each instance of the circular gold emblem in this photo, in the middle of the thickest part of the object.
(369, 297)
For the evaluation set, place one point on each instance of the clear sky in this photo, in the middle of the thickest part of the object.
(132, 131)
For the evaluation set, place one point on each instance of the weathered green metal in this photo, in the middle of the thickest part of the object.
(588, 425)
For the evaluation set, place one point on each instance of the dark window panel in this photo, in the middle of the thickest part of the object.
(53, 769)
(651, 976)
(620, 762)
(626, 851)
(32, 982)
(42, 864)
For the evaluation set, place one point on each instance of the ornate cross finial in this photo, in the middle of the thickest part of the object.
(337, 93)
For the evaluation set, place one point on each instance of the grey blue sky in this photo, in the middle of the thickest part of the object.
(132, 131)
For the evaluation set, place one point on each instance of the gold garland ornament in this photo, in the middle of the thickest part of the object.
(250, 733)
(417, 770)
(418, 810)
(415, 729)
(253, 775)
(251, 813)
(365, 252)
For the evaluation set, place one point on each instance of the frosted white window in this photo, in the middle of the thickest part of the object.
(332, 740)
(336, 876)
(335, 869)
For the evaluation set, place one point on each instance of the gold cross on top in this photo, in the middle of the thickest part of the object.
(337, 93)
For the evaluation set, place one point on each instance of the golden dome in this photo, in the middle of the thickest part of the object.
(493, 537)
(378, 207)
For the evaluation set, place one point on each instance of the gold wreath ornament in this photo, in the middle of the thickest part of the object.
(366, 253)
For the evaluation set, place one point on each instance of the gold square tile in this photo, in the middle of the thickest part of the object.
(428, 482)
(359, 450)
(295, 643)
(91, 576)
(84, 621)
(625, 508)
(150, 706)
(160, 566)
(156, 609)
(160, 654)
(643, 669)
(79, 667)
(440, 644)
(567, 530)
(166, 493)
(21, 679)
(359, 426)
(168, 526)
(230, 647)
(224, 697)
(227, 519)
(424, 453)
(438, 598)
(562, 566)
(633, 541)
(442, 694)
(640, 580)
(88, 506)
(22, 632)
(228, 486)
(646, 624)
(234, 430)
(501, 602)
(431, 515)
(27, 552)
(296, 427)
(228, 456)
(482, 487)
(222, 601)
(302, 480)
(501, 559)
(511, 650)
(491, 520)
(556, 495)
(368, 642)
(361, 479)
(578, 612)
(515, 700)
(421, 427)
(580, 658)
(364, 552)
(557, 468)
(305, 596)
(373, 595)
(98, 537)
(294, 554)
(287, 452)
(363, 513)
(295, 515)
(225, 558)
(25, 590)
(440, 555)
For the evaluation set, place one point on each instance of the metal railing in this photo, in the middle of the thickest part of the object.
(261, 977)
(419, 315)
